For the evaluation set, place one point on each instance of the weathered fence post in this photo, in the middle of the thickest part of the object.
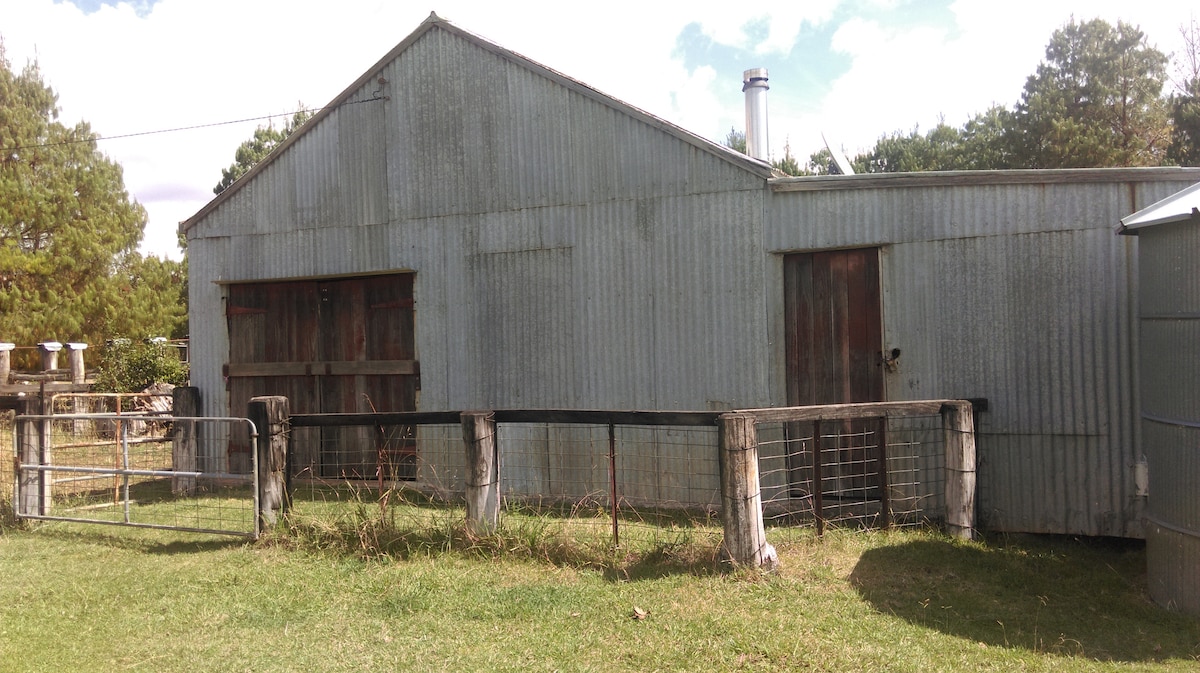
(6, 350)
(50, 351)
(32, 492)
(958, 427)
(75, 362)
(270, 416)
(741, 501)
(482, 471)
(185, 403)
(79, 405)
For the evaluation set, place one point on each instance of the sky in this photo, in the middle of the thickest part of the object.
(848, 71)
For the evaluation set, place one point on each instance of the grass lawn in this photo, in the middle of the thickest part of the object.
(99, 598)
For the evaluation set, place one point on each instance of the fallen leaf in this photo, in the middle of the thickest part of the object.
(639, 613)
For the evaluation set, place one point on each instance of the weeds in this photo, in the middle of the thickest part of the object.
(404, 524)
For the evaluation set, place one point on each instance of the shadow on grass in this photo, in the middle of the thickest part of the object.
(139, 539)
(1056, 595)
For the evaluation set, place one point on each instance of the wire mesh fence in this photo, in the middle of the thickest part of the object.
(126, 469)
(611, 480)
(588, 480)
(607, 478)
(865, 472)
(7, 481)
(368, 459)
(594, 476)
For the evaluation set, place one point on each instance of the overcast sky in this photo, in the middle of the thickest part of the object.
(851, 70)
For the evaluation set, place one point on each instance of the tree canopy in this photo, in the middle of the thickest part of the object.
(1096, 100)
(69, 266)
(254, 150)
(1185, 104)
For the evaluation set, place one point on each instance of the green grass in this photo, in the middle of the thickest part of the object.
(342, 586)
(339, 588)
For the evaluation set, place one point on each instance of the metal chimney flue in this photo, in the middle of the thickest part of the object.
(754, 85)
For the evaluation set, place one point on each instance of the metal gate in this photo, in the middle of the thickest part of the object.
(147, 471)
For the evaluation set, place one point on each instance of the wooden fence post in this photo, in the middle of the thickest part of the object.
(482, 471)
(6, 350)
(75, 362)
(270, 416)
(185, 403)
(50, 351)
(31, 484)
(79, 405)
(741, 501)
(958, 427)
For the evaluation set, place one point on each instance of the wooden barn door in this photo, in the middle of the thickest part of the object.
(833, 343)
(344, 345)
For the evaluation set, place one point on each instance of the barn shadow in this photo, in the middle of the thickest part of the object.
(1075, 597)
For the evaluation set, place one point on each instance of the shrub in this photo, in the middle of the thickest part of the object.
(129, 366)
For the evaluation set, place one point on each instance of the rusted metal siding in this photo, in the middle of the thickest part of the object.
(1169, 278)
(1018, 293)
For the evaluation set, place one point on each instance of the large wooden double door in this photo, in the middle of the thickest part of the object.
(340, 345)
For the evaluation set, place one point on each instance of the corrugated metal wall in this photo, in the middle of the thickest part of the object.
(568, 252)
(1170, 368)
(1018, 293)
(572, 252)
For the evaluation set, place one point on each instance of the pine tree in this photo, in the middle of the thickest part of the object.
(67, 225)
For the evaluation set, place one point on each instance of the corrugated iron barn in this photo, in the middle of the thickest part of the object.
(465, 228)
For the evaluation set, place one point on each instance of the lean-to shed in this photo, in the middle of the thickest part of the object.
(465, 228)
(1168, 235)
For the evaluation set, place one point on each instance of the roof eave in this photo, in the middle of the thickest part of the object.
(1181, 206)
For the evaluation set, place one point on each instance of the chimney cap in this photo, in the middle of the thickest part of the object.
(754, 74)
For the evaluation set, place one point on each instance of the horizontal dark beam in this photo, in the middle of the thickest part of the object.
(601, 417)
(335, 368)
(385, 418)
(566, 416)
(823, 412)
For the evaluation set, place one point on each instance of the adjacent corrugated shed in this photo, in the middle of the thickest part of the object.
(1012, 287)
(1170, 369)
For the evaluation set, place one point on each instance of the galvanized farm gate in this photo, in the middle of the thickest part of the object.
(142, 471)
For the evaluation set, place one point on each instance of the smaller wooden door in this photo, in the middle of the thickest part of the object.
(833, 342)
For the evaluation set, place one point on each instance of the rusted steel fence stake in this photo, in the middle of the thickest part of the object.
(612, 479)
(818, 487)
(885, 498)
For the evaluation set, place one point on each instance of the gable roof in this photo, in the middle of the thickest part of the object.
(435, 22)
(1178, 207)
